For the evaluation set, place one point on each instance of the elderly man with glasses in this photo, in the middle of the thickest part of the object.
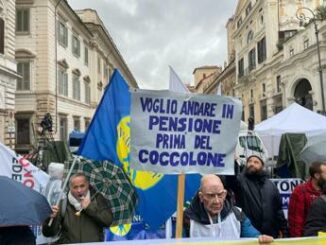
(212, 214)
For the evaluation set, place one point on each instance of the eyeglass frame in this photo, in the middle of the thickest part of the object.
(210, 196)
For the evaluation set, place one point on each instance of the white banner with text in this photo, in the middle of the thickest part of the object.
(175, 133)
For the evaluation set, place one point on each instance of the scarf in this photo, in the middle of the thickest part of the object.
(75, 202)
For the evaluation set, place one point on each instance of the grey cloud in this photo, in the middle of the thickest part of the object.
(152, 34)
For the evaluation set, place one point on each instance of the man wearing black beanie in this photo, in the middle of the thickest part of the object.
(260, 199)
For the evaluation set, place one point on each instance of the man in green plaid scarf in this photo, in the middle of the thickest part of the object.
(85, 215)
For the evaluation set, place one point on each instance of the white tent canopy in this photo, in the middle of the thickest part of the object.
(293, 119)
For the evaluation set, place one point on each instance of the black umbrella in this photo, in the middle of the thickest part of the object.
(20, 205)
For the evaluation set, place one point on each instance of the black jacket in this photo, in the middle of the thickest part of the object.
(17, 235)
(316, 218)
(260, 200)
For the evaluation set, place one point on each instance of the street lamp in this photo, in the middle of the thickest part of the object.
(302, 17)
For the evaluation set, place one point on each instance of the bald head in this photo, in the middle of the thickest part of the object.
(210, 180)
(212, 194)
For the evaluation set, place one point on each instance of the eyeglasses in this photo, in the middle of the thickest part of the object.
(221, 195)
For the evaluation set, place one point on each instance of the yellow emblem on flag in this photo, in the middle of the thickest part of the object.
(120, 230)
(140, 179)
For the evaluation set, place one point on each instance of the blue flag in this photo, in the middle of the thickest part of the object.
(101, 136)
(108, 138)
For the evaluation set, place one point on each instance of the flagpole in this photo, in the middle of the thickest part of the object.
(65, 185)
(181, 192)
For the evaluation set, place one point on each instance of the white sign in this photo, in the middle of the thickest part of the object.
(285, 188)
(183, 133)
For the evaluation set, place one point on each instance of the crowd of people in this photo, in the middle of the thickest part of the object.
(247, 205)
(255, 209)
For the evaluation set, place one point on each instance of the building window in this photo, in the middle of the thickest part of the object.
(106, 72)
(291, 52)
(87, 92)
(87, 123)
(239, 22)
(305, 43)
(77, 123)
(263, 111)
(251, 94)
(63, 34)
(278, 84)
(76, 87)
(250, 37)
(2, 36)
(252, 59)
(278, 109)
(240, 67)
(75, 46)
(86, 56)
(22, 20)
(263, 86)
(288, 34)
(23, 69)
(252, 111)
(63, 82)
(63, 128)
(23, 131)
(261, 49)
(248, 9)
(99, 88)
(99, 65)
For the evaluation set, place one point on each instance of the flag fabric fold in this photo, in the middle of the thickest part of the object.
(108, 138)
(100, 140)
(175, 83)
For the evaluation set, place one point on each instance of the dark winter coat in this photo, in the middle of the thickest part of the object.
(88, 227)
(260, 200)
(17, 235)
(316, 218)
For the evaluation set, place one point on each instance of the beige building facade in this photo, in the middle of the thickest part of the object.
(8, 74)
(65, 59)
(203, 77)
(224, 81)
(275, 58)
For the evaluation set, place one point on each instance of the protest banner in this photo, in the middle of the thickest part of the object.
(206, 241)
(175, 133)
(285, 187)
(17, 168)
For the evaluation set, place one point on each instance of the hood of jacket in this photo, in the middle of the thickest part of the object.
(197, 212)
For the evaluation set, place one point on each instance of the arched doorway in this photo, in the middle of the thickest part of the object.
(302, 95)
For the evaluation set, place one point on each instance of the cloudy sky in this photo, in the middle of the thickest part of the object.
(153, 34)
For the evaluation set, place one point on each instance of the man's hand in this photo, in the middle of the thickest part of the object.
(265, 239)
(85, 202)
(55, 211)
